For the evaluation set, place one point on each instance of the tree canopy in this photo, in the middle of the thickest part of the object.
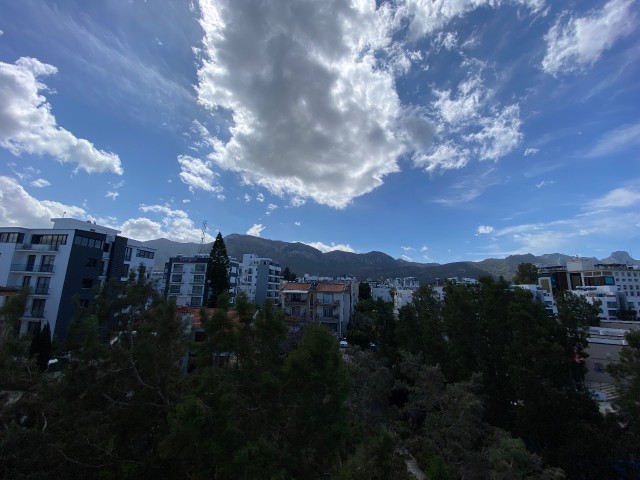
(218, 270)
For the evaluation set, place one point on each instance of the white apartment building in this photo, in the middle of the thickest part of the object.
(70, 260)
(186, 280)
(259, 278)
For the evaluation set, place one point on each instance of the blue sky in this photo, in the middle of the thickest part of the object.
(433, 130)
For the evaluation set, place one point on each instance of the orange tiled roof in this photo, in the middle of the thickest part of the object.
(296, 286)
(333, 287)
(195, 311)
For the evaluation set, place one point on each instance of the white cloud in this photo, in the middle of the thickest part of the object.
(324, 248)
(1, 33)
(256, 230)
(40, 182)
(197, 174)
(142, 229)
(578, 43)
(297, 224)
(531, 151)
(407, 249)
(428, 16)
(28, 126)
(468, 188)
(618, 198)
(314, 113)
(484, 229)
(112, 195)
(616, 140)
(424, 248)
(260, 197)
(545, 183)
(174, 224)
(247, 198)
(406, 258)
(271, 207)
(19, 208)
(470, 125)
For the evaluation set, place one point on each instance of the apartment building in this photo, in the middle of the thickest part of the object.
(66, 262)
(328, 304)
(186, 280)
(259, 278)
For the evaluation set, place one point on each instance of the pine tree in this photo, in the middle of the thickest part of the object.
(218, 270)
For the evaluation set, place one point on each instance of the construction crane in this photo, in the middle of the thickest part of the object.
(203, 237)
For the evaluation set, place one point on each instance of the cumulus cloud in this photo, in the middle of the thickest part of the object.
(112, 195)
(174, 224)
(484, 229)
(428, 16)
(577, 43)
(531, 151)
(470, 125)
(271, 207)
(260, 197)
(314, 113)
(19, 208)
(197, 174)
(256, 230)
(247, 198)
(40, 182)
(324, 248)
(28, 126)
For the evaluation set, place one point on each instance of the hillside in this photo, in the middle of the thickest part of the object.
(301, 259)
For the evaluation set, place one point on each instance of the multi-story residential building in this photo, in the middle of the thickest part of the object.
(382, 293)
(329, 304)
(186, 280)
(542, 296)
(259, 278)
(63, 263)
(617, 285)
(234, 267)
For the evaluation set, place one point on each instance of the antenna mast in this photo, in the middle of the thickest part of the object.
(203, 237)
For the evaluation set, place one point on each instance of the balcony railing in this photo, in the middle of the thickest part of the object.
(23, 267)
(35, 314)
(39, 247)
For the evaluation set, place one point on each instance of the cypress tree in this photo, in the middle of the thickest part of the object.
(217, 270)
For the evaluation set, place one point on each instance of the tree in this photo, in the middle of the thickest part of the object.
(526, 273)
(626, 373)
(218, 270)
(364, 291)
(288, 275)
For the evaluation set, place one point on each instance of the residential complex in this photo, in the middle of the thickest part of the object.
(64, 264)
(259, 278)
(329, 304)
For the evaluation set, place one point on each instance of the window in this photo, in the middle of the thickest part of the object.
(144, 254)
(46, 264)
(197, 289)
(174, 289)
(37, 307)
(176, 278)
(198, 279)
(196, 301)
(106, 248)
(178, 267)
(49, 239)
(88, 242)
(327, 312)
(125, 270)
(26, 281)
(91, 262)
(84, 303)
(201, 267)
(42, 286)
(87, 282)
(11, 237)
(127, 254)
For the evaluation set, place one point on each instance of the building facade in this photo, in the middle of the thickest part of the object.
(259, 278)
(186, 280)
(63, 264)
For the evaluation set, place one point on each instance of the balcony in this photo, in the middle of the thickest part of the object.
(32, 290)
(35, 314)
(38, 247)
(23, 267)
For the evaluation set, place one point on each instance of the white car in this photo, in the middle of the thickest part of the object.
(343, 344)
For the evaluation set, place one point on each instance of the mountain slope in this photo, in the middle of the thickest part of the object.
(301, 259)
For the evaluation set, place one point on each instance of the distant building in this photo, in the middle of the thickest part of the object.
(259, 278)
(186, 280)
(66, 262)
(328, 304)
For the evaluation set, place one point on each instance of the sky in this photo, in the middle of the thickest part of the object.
(431, 130)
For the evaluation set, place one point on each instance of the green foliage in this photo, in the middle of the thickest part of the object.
(288, 275)
(526, 273)
(218, 270)
(364, 291)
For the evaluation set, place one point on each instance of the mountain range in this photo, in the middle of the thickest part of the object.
(301, 259)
